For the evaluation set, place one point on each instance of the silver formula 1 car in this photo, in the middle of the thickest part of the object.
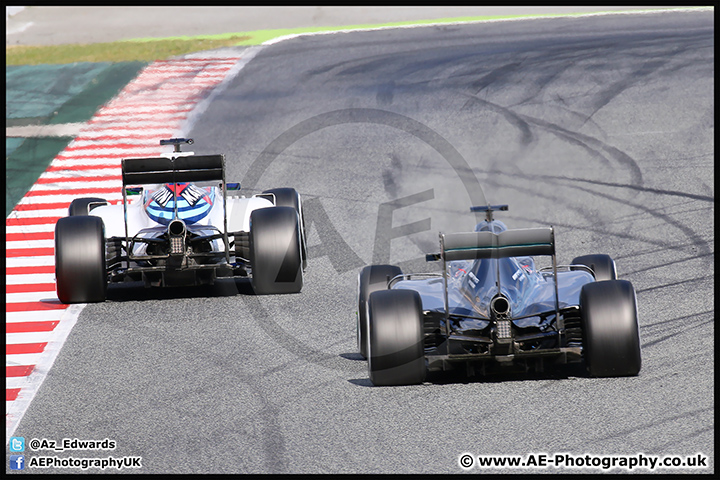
(491, 309)
(172, 231)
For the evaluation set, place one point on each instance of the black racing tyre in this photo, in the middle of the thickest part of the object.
(242, 245)
(285, 197)
(275, 255)
(82, 206)
(371, 279)
(603, 266)
(289, 197)
(80, 269)
(395, 338)
(611, 339)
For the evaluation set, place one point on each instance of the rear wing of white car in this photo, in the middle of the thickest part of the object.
(176, 167)
(196, 168)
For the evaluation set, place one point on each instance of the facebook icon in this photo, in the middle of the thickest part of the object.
(17, 462)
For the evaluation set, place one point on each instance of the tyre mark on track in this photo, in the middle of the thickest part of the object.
(658, 191)
(597, 228)
(693, 236)
(592, 145)
(259, 420)
(665, 264)
(526, 135)
(494, 76)
(679, 319)
(264, 320)
(675, 334)
(696, 240)
(674, 284)
(613, 90)
(685, 437)
(625, 433)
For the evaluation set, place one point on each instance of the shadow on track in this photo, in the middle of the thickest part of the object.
(136, 291)
(559, 372)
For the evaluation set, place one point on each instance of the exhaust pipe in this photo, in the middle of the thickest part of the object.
(500, 306)
(500, 309)
(176, 232)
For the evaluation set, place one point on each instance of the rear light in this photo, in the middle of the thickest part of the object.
(504, 330)
(176, 232)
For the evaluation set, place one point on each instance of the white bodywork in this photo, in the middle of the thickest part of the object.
(238, 218)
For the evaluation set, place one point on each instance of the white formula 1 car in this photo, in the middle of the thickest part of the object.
(171, 231)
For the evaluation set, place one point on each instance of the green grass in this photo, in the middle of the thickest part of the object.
(125, 51)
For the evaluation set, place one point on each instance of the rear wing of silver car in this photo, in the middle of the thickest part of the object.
(525, 242)
(482, 245)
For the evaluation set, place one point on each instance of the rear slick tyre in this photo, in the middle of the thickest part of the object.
(611, 340)
(371, 279)
(275, 252)
(603, 266)
(289, 197)
(83, 206)
(395, 338)
(80, 268)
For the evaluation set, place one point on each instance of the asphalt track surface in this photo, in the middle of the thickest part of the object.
(600, 126)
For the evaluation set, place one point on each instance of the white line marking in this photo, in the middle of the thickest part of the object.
(50, 315)
(60, 130)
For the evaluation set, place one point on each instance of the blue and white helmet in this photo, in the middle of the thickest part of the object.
(193, 203)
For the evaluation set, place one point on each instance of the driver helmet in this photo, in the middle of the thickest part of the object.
(193, 203)
(496, 226)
